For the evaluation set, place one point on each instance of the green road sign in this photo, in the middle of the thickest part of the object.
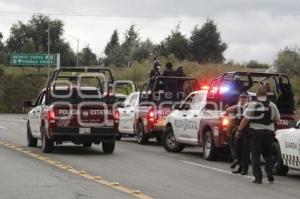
(32, 59)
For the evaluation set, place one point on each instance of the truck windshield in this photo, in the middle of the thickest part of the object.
(75, 96)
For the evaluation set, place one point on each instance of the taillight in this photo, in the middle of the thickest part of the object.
(150, 116)
(116, 114)
(204, 87)
(225, 123)
(51, 115)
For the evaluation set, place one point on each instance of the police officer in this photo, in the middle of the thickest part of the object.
(155, 70)
(262, 115)
(169, 70)
(240, 147)
(179, 71)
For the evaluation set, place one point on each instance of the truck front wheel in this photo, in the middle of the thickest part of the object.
(31, 141)
(278, 166)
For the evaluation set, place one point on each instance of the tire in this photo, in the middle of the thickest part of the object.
(31, 141)
(108, 147)
(209, 149)
(47, 144)
(87, 144)
(141, 137)
(169, 141)
(278, 166)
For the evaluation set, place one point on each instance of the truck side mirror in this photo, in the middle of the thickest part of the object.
(28, 104)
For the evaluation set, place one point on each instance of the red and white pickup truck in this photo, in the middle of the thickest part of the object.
(201, 119)
(78, 105)
(156, 101)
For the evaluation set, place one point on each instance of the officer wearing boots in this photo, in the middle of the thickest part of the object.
(262, 115)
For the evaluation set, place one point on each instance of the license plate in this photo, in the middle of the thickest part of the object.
(84, 131)
(109, 123)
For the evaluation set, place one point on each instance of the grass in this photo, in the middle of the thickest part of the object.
(24, 83)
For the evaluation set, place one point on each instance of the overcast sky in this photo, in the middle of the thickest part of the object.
(253, 29)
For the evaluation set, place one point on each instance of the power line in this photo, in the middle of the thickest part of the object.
(258, 16)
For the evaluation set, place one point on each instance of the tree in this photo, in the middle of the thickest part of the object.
(143, 51)
(131, 39)
(176, 44)
(256, 64)
(87, 57)
(36, 31)
(3, 53)
(113, 43)
(288, 61)
(206, 44)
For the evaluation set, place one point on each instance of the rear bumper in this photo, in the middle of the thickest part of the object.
(73, 133)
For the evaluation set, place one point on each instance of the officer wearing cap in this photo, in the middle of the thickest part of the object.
(240, 147)
(262, 115)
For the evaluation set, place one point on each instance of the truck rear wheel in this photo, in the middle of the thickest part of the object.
(47, 144)
(140, 134)
(108, 147)
(169, 141)
(209, 149)
(278, 166)
(31, 141)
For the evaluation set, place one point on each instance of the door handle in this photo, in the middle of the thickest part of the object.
(195, 115)
(183, 115)
(131, 111)
(124, 111)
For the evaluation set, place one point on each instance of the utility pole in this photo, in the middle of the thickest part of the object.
(77, 52)
(48, 47)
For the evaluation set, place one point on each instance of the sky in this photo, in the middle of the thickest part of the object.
(253, 29)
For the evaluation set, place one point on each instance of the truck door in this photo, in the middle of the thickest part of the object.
(36, 114)
(181, 121)
(127, 113)
(194, 116)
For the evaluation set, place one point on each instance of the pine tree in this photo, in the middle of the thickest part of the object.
(206, 44)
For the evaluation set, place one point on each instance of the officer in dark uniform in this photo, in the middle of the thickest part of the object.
(262, 115)
(155, 70)
(240, 147)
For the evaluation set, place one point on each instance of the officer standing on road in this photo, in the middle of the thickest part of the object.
(240, 147)
(262, 115)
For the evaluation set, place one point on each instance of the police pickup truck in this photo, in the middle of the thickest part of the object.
(127, 115)
(156, 101)
(287, 150)
(201, 118)
(78, 105)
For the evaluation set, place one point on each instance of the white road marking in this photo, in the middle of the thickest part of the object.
(3, 128)
(214, 169)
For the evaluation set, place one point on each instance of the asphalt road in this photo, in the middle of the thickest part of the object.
(149, 168)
